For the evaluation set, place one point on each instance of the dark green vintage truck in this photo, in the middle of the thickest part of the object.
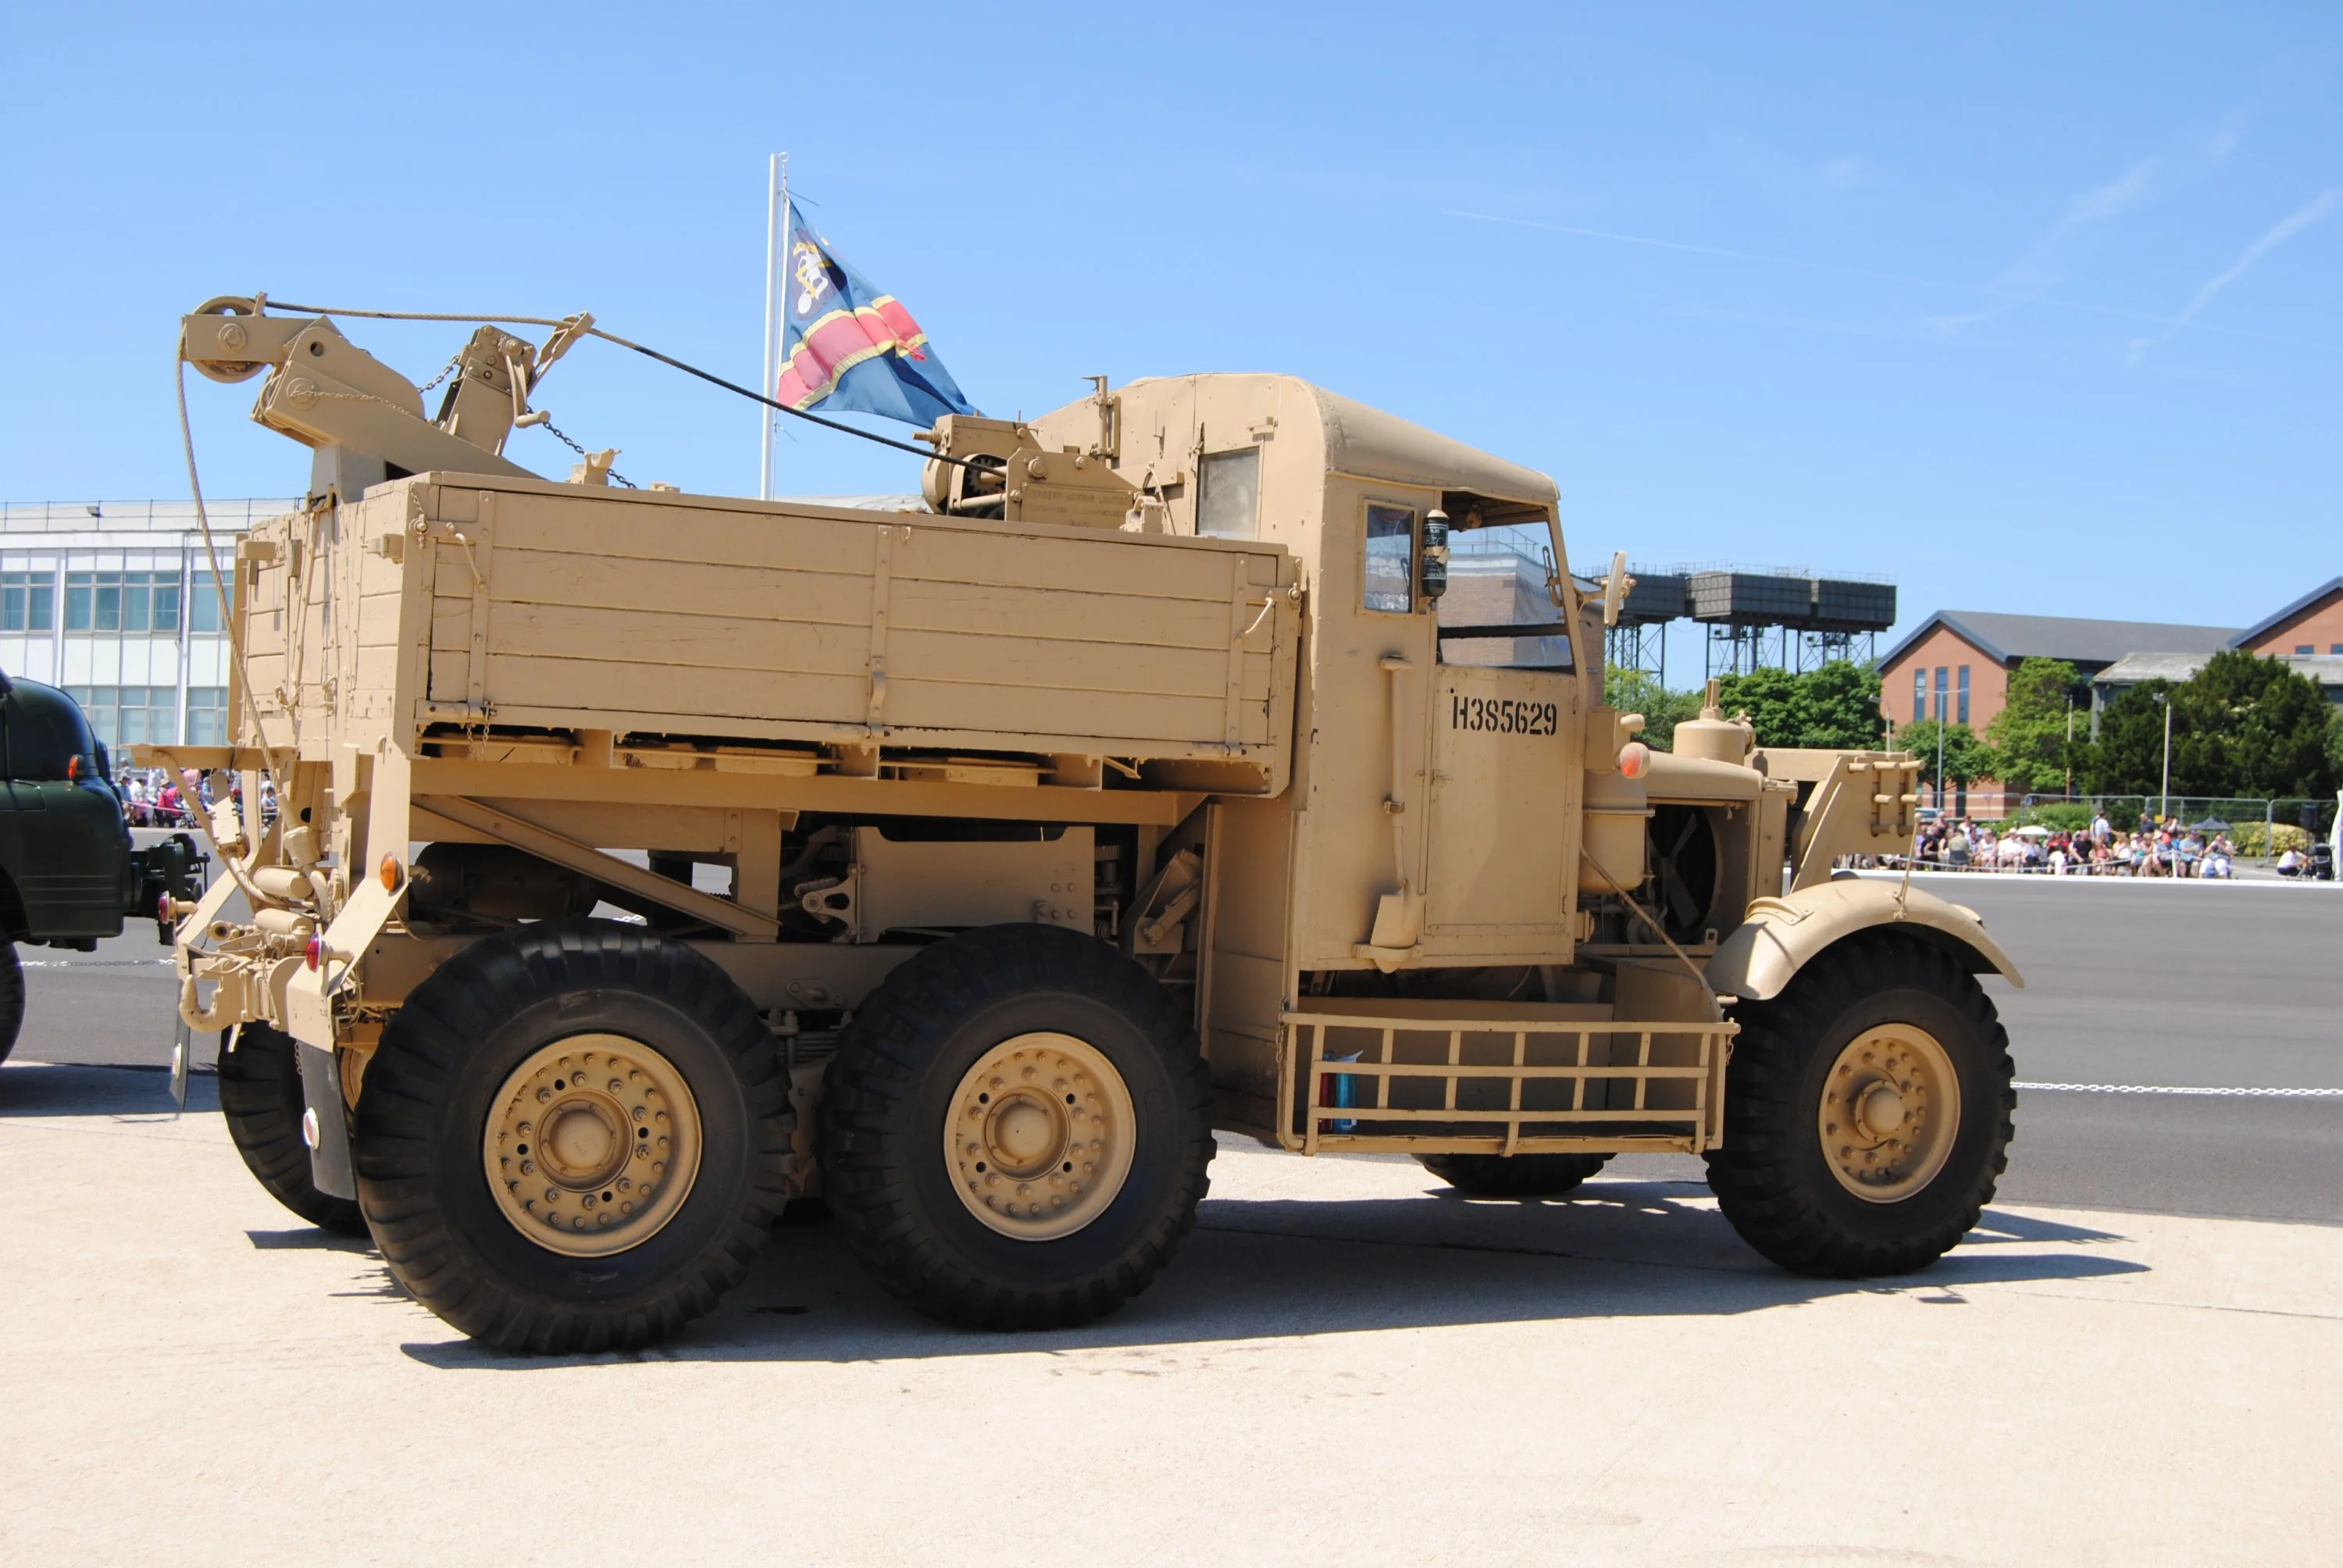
(68, 874)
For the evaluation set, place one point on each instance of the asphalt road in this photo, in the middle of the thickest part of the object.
(2147, 985)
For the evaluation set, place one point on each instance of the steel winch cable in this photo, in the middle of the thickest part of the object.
(236, 650)
(263, 302)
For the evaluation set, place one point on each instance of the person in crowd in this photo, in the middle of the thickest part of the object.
(2216, 864)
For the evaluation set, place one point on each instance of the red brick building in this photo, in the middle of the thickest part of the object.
(1956, 665)
(2311, 626)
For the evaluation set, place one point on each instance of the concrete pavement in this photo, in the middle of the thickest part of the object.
(1343, 1363)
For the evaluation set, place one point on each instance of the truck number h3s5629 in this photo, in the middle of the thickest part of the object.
(969, 866)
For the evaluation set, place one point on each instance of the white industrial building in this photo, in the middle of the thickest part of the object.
(112, 600)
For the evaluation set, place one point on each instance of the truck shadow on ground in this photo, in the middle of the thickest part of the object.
(1255, 1268)
(1271, 1269)
(50, 1089)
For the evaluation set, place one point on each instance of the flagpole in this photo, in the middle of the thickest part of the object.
(776, 184)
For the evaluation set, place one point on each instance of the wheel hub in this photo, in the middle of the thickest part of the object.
(1038, 1138)
(592, 1144)
(1891, 1106)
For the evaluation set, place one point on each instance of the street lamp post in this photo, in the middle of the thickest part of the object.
(2069, 754)
(2164, 796)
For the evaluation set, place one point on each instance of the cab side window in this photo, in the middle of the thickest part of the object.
(1228, 504)
(1390, 574)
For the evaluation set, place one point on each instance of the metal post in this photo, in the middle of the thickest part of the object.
(2164, 798)
(775, 203)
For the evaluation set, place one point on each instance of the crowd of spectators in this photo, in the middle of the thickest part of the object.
(2151, 847)
(154, 798)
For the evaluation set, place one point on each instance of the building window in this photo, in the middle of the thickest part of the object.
(2303, 647)
(1228, 500)
(1941, 673)
(1390, 576)
(1919, 693)
(2336, 647)
(208, 716)
(204, 601)
(1963, 717)
(27, 601)
(129, 715)
(122, 601)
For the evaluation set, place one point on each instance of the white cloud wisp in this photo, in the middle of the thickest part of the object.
(2293, 224)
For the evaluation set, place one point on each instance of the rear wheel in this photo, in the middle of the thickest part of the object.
(12, 998)
(260, 1098)
(1867, 1112)
(573, 1138)
(1513, 1175)
(1015, 1131)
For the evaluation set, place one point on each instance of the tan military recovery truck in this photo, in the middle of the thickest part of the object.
(646, 860)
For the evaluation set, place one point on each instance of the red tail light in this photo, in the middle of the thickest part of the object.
(315, 951)
(1635, 758)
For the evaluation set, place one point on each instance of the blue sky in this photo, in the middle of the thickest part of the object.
(2031, 308)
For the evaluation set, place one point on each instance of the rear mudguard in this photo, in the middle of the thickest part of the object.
(1782, 936)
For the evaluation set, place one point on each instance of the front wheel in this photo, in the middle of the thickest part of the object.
(573, 1138)
(1867, 1112)
(1016, 1129)
(11, 998)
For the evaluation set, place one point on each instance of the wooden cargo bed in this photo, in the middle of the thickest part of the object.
(531, 604)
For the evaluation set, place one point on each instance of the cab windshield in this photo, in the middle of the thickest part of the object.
(1497, 579)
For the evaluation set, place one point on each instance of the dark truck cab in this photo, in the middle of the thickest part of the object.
(69, 873)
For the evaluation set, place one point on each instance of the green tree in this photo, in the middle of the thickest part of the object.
(1965, 758)
(1834, 708)
(2242, 726)
(2029, 735)
(2128, 756)
(2245, 724)
(1640, 691)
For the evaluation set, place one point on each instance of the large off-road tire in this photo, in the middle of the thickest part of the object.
(1016, 1130)
(1513, 1175)
(573, 1136)
(1867, 1112)
(260, 1097)
(12, 998)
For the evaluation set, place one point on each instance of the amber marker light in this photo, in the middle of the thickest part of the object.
(388, 872)
(1634, 759)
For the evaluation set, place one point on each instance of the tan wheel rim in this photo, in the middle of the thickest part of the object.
(1038, 1138)
(1890, 1110)
(592, 1144)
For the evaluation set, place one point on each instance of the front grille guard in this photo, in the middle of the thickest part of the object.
(1376, 1082)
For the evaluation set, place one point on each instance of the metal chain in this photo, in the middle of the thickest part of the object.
(552, 429)
(445, 371)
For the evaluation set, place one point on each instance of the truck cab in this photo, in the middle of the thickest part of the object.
(68, 873)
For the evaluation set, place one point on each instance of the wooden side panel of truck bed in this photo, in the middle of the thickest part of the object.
(566, 607)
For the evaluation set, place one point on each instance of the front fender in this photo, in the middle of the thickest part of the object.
(1782, 936)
